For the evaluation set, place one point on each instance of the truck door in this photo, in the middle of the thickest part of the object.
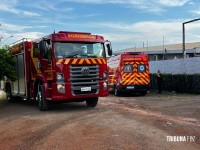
(46, 61)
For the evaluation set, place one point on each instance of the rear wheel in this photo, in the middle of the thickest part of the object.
(9, 96)
(116, 91)
(92, 102)
(143, 93)
(40, 97)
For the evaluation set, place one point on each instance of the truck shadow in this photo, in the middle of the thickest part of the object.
(53, 107)
(127, 94)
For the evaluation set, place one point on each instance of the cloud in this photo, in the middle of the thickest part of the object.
(8, 39)
(172, 3)
(197, 11)
(13, 27)
(128, 35)
(10, 6)
(155, 6)
(30, 14)
(138, 2)
(49, 6)
(28, 35)
(92, 15)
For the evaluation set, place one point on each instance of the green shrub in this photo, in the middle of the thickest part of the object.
(180, 83)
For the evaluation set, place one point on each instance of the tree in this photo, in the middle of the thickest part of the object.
(7, 64)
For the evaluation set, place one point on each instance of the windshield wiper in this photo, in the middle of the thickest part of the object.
(79, 56)
(71, 56)
(91, 56)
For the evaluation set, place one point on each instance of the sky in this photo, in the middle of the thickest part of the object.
(126, 23)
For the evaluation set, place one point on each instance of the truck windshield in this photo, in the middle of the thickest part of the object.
(79, 50)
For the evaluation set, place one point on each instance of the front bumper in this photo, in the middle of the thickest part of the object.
(136, 88)
(68, 94)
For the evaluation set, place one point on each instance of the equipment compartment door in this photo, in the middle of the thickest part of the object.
(21, 73)
(19, 84)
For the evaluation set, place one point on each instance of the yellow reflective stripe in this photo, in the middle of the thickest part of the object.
(59, 61)
(99, 60)
(67, 61)
(88, 62)
(94, 62)
(124, 75)
(146, 74)
(74, 61)
(132, 81)
(104, 61)
(144, 81)
(127, 78)
(81, 61)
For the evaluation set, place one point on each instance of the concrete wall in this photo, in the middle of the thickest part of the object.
(176, 66)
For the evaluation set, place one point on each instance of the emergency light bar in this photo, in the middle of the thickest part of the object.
(133, 53)
(74, 32)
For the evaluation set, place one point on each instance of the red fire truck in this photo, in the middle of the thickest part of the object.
(129, 72)
(63, 66)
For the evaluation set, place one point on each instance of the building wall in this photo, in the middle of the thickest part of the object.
(161, 47)
(154, 57)
(176, 66)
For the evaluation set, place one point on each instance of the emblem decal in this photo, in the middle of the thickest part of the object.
(85, 71)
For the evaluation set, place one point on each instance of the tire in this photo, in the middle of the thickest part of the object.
(40, 97)
(116, 91)
(92, 102)
(9, 96)
(143, 93)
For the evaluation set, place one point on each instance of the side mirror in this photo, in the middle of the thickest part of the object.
(43, 48)
(48, 41)
(109, 48)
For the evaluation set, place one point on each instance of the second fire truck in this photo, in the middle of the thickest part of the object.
(63, 66)
(129, 72)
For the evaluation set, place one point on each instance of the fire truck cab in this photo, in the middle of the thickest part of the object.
(63, 66)
(129, 72)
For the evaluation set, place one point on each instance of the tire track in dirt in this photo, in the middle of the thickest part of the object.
(129, 108)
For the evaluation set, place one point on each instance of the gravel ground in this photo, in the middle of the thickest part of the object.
(128, 122)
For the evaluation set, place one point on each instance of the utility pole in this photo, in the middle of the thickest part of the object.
(135, 47)
(163, 47)
(183, 27)
(163, 42)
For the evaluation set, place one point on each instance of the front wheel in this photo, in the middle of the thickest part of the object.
(92, 102)
(40, 97)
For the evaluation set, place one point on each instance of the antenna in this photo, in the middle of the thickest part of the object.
(54, 23)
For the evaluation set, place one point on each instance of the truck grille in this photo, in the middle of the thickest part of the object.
(84, 77)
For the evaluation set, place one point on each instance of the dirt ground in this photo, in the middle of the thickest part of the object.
(128, 122)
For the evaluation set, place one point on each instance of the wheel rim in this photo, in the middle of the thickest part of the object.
(115, 91)
(8, 95)
(39, 97)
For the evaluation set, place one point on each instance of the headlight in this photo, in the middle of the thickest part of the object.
(61, 88)
(105, 86)
(60, 77)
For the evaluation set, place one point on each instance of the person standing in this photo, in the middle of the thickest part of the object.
(159, 80)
